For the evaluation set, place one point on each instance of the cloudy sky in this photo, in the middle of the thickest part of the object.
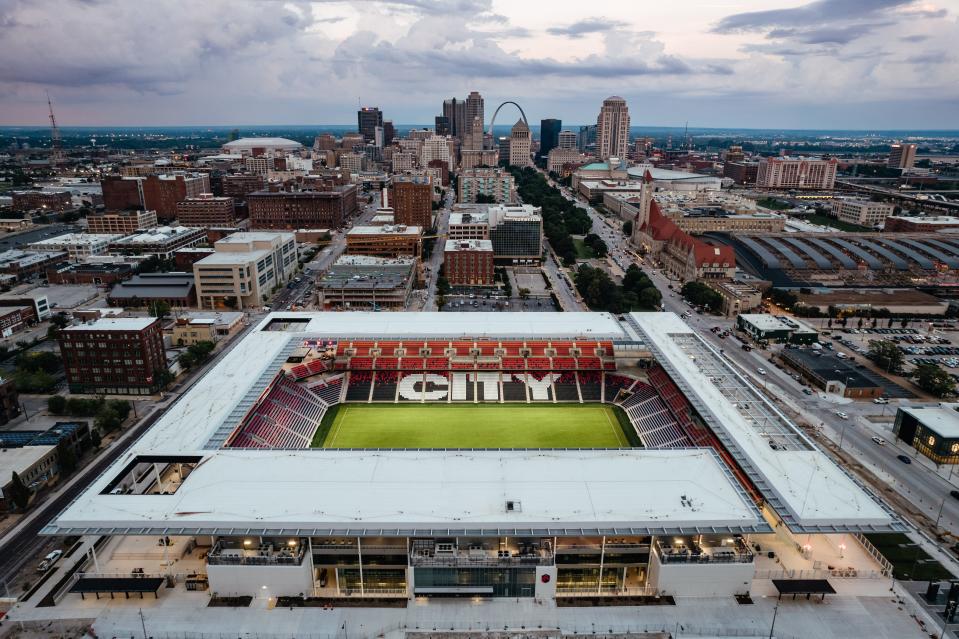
(736, 63)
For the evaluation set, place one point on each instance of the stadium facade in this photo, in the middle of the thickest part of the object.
(231, 466)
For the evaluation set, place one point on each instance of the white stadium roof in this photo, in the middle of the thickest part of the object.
(318, 491)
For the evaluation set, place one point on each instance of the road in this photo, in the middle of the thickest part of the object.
(24, 542)
(436, 258)
(918, 483)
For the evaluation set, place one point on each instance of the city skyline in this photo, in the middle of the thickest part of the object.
(889, 62)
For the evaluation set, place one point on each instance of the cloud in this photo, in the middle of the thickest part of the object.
(930, 57)
(918, 37)
(821, 12)
(584, 27)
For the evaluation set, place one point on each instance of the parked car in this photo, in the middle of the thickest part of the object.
(880, 400)
(807, 391)
(49, 560)
(904, 459)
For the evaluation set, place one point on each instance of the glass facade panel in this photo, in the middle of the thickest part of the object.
(506, 582)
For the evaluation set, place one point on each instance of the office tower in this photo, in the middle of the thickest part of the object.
(442, 125)
(378, 137)
(436, 148)
(587, 136)
(612, 129)
(324, 142)
(565, 140)
(367, 119)
(327, 208)
(549, 135)
(469, 262)
(474, 108)
(132, 346)
(455, 112)
(473, 138)
(493, 182)
(389, 132)
(520, 140)
(902, 156)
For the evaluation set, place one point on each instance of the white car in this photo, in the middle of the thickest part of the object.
(761, 371)
(880, 400)
(879, 440)
(842, 415)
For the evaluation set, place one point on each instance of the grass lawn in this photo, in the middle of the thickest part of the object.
(825, 220)
(908, 560)
(471, 426)
(583, 252)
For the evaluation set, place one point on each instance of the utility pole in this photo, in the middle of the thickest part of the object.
(144, 625)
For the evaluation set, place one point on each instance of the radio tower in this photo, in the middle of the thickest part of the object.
(56, 153)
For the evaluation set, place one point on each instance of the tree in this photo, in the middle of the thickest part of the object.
(524, 293)
(783, 298)
(650, 298)
(628, 228)
(159, 309)
(107, 420)
(886, 355)
(934, 380)
(442, 286)
(19, 493)
(702, 295)
(67, 457)
(95, 439)
(440, 302)
(163, 377)
(56, 404)
(483, 198)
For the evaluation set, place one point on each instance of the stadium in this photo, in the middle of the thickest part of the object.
(405, 455)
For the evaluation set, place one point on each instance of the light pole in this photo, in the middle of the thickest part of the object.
(772, 626)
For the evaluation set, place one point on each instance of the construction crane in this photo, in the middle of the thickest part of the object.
(56, 152)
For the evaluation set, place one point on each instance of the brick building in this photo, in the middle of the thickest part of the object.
(469, 262)
(9, 400)
(207, 210)
(122, 193)
(25, 264)
(385, 241)
(96, 274)
(328, 208)
(177, 290)
(114, 356)
(161, 193)
(42, 200)
(240, 185)
(796, 173)
(412, 200)
(121, 222)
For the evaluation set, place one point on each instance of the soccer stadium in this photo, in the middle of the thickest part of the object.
(548, 455)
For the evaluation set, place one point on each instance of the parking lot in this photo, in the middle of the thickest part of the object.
(466, 304)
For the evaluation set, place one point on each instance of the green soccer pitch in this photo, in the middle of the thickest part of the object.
(471, 426)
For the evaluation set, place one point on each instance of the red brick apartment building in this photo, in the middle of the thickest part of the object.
(114, 356)
(469, 262)
(290, 210)
(412, 200)
(207, 210)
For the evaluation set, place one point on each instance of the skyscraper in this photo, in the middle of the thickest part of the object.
(612, 129)
(549, 135)
(442, 125)
(367, 119)
(520, 140)
(473, 137)
(566, 140)
(455, 112)
(902, 156)
(474, 109)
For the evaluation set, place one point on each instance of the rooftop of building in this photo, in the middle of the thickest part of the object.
(78, 239)
(943, 419)
(765, 322)
(870, 296)
(372, 491)
(19, 460)
(453, 246)
(232, 257)
(244, 237)
(386, 229)
(469, 218)
(253, 143)
(926, 219)
(114, 324)
(159, 235)
(23, 258)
